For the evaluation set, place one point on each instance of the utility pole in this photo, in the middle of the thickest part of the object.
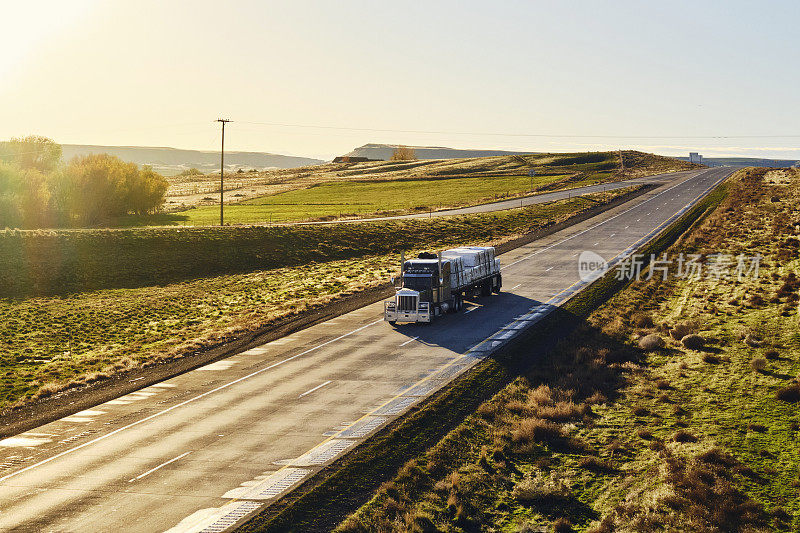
(222, 170)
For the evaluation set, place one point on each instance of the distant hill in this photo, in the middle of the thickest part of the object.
(170, 161)
(385, 151)
(746, 162)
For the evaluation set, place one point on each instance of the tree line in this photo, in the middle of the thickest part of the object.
(38, 189)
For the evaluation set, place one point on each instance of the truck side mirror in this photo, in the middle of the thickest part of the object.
(392, 280)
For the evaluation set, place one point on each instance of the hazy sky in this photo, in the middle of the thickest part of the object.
(524, 75)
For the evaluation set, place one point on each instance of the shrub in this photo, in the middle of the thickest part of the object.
(711, 358)
(693, 341)
(641, 411)
(532, 430)
(790, 393)
(683, 436)
(562, 525)
(643, 320)
(681, 329)
(644, 434)
(651, 342)
(753, 340)
(663, 384)
(759, 364)
(541, 395)
(717, 456)
(404, 153)
(771, 354)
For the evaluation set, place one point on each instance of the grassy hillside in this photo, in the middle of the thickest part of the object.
(171, 161)
(611, 432)
(376, 188)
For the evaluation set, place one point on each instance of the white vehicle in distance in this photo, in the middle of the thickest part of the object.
(434, 284)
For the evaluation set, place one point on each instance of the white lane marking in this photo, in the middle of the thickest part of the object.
(626, 227)
(185, 402)
(22, 442)
(515, 286)
(315, 388)
(638, 219)
(612, 235)
(549, 269)
(595, 244)
(219, 365)
(412, 339)
(565, 239)
(162, 465)
(471, 309)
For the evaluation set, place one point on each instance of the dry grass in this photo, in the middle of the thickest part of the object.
(541, 489)
(746, 479)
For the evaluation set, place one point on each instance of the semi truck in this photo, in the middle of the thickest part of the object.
(434, 284)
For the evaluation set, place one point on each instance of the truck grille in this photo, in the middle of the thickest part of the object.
(407, 303)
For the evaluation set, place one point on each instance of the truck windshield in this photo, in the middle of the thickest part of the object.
(417, 282)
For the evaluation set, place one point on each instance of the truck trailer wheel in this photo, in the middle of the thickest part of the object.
(486, 288)
(497, 283)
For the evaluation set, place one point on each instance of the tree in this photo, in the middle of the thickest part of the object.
(404, 153)
(148, 195)
(24, 197)
(98, 187)
(33, 152)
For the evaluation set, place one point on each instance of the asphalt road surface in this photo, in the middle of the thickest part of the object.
(200, 451)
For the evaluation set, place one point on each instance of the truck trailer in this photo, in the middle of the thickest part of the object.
(434, 284)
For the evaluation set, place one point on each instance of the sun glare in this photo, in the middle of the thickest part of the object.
(30, 25)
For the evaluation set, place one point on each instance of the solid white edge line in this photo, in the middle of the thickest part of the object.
(162, 465)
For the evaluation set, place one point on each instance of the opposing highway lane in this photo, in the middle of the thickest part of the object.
(200, 451)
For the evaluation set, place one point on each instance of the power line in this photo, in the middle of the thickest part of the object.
(500, 134)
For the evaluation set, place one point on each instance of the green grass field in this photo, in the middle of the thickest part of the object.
(382, 188)
(343, 199)
(607, 434)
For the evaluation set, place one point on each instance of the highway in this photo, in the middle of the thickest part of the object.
(200, 451)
